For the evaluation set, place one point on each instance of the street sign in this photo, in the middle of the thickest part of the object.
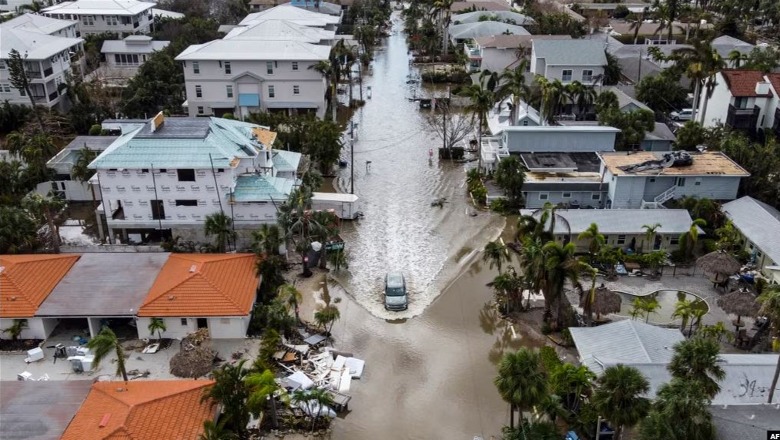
(334, 246)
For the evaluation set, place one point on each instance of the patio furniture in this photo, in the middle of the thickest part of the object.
(24, 376)
(719, 263)
(34, 355)
(740, 304)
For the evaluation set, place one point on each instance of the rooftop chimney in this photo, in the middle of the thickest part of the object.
(106, 418)
(762, 88)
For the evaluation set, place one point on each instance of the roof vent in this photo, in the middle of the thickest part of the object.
(106, 416)
(13, 298)
(193, 268)
(171, 297)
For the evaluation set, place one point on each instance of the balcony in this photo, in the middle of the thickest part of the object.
(743, 118)
(53, 95)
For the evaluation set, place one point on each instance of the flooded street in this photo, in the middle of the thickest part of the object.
(396, 182)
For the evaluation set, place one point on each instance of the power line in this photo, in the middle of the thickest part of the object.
(390, 145)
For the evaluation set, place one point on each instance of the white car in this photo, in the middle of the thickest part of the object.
(685, 114)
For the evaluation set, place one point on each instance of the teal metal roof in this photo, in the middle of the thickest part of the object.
(181, 143)
(286, 160)
(256, 188)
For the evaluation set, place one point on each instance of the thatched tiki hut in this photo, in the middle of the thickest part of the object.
(720, 264)
(740, 304)
(601, 302)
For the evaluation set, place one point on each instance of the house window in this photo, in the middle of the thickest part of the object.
(158, 210)
(741, 103)
(621, 239)
(88, 20)
(566, 195)
(587, 75)
(271, 92)
(295, 65)
(5, 88)
(200, 109)
(144, 170)
(269, 67)
(183, 321)
(186, 175)
(651, 180)
(566, 75)
(2, 65)
(186, 203)
(229, 91)
(111, 20)
(296, 90)
(697, 181)
(681, 181)
(228, 70)
(543, 196)
(674, 241)
(525, 122)
(595, 196)
(196, 67)
(126, 59)
(198, 92)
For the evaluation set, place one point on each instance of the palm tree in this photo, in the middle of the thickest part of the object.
(35, 7)
(443, 9)
(689, 239)
(495, 254)
(770, 307)
(696, 360)
(636, 24)
(591, 294)
(736, 58)
(650, 233)
(681, 412)
(560, 266)
(331, 72)
(580, 95)
(323, 399)
(521, 381)
(482, 101)
(291, 297)
(700, 62)
(261, 387)
(231, 393)
(103, 344)
(327, 316)
(683, 309)
(267, 240)
(16, 329)
(619, 397)
(572, 383)
(552, 97)
(596, 239)
(216, 431)
(46, 208)
(513, 83)
(157, 325)
(221, 225)
(648, 306)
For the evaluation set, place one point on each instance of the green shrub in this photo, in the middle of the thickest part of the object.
(709, 245)
(479, 194)
(546, 329)
(228, 116)
(500, 206)
(550, 359)
(566, 338)
(95, 130)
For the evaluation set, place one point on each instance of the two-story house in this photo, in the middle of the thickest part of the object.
(759, 229)
(648, 179)
(461, 33)
(295, 14)
(124, 57)
(569, 60)
(242, 76)
(499, 52)
(49, 50)
(744, 100)
(123, 17)
(164, 178)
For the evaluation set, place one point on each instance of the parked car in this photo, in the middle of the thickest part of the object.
(685, 114)
(395, 292)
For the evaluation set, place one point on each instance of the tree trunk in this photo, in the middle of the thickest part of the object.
(34, 108)
(334, 101)
(479, 144)
(696, 92)
(618, 432)
(704, 107)
(274, 418)
(774, 382)
(55, 236)
(349, 78)
(512, 414)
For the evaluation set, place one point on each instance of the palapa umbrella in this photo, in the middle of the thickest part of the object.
(719, 263)
(604, 301)
(740, 304)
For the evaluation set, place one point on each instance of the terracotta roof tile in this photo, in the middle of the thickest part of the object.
(774, 78)
(153, 409)
(203, 285)
(26, 281)
(742, 83)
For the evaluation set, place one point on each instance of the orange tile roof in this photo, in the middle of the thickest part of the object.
(138, 410)
(742, 83)
(26, 281)
(774, 78)
(203, 285)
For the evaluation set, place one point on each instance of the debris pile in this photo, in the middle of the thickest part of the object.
(195, 358)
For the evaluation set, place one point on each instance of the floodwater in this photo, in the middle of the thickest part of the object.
(396, 179)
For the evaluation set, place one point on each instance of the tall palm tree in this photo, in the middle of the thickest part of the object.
(572, 383)
(261, 387)
(327, 317)
(220, 225)
(683, 309)
(619, 397)
(231, 393)
(700, 62)
(681, 411)
(331, 72)
(696, 360)
(481, 102)
(591, 293)
(521, 381)
(46, 208)
(513, 83)
(650, 233)
(443, 9)
(689, 239)
(323, 399)
(552, 96)
(291, 297)
(736, 58)
(495, 254)
(560, 266)
(596, 239)
(34, 7)
(267, 239)
(636, 24)
(770, 307)
(157, 325)
(104, 343)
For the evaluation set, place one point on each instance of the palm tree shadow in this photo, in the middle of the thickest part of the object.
(488, 318)
(504, 341)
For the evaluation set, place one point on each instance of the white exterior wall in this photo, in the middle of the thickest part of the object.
(718, 104)
(252, 77)
(556, 72)
(711, 187)
(252, 214)
(553, 140)
(629, 191)
(233, 327)
(174, 328)
(613, 240)
(102, 23)
(60, 66)
(496, 60)
(37, 328)
(584, 198)
(71, 190)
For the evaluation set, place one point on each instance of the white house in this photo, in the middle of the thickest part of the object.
(742, 100)
(63, 183)
(48, 58)
(123, 17)
(569, 60)
(295, 14)
(499, 52)
(168, 175)
(25, 283)
(131, 52)
(241, 76)
(193, 291)
(460, 33)
(759, 227)
(510, 17)
(650, 179)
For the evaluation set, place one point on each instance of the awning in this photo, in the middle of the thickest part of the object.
(292, 104)
(248, 100)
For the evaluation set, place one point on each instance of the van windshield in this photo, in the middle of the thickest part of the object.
(394, 291)
(395, 285)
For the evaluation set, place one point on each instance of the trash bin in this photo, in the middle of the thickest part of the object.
(87, 362)
(75, 364)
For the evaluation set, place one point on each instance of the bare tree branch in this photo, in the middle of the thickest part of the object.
(452, 126)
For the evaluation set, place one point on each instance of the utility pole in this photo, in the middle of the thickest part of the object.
(352, 154)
